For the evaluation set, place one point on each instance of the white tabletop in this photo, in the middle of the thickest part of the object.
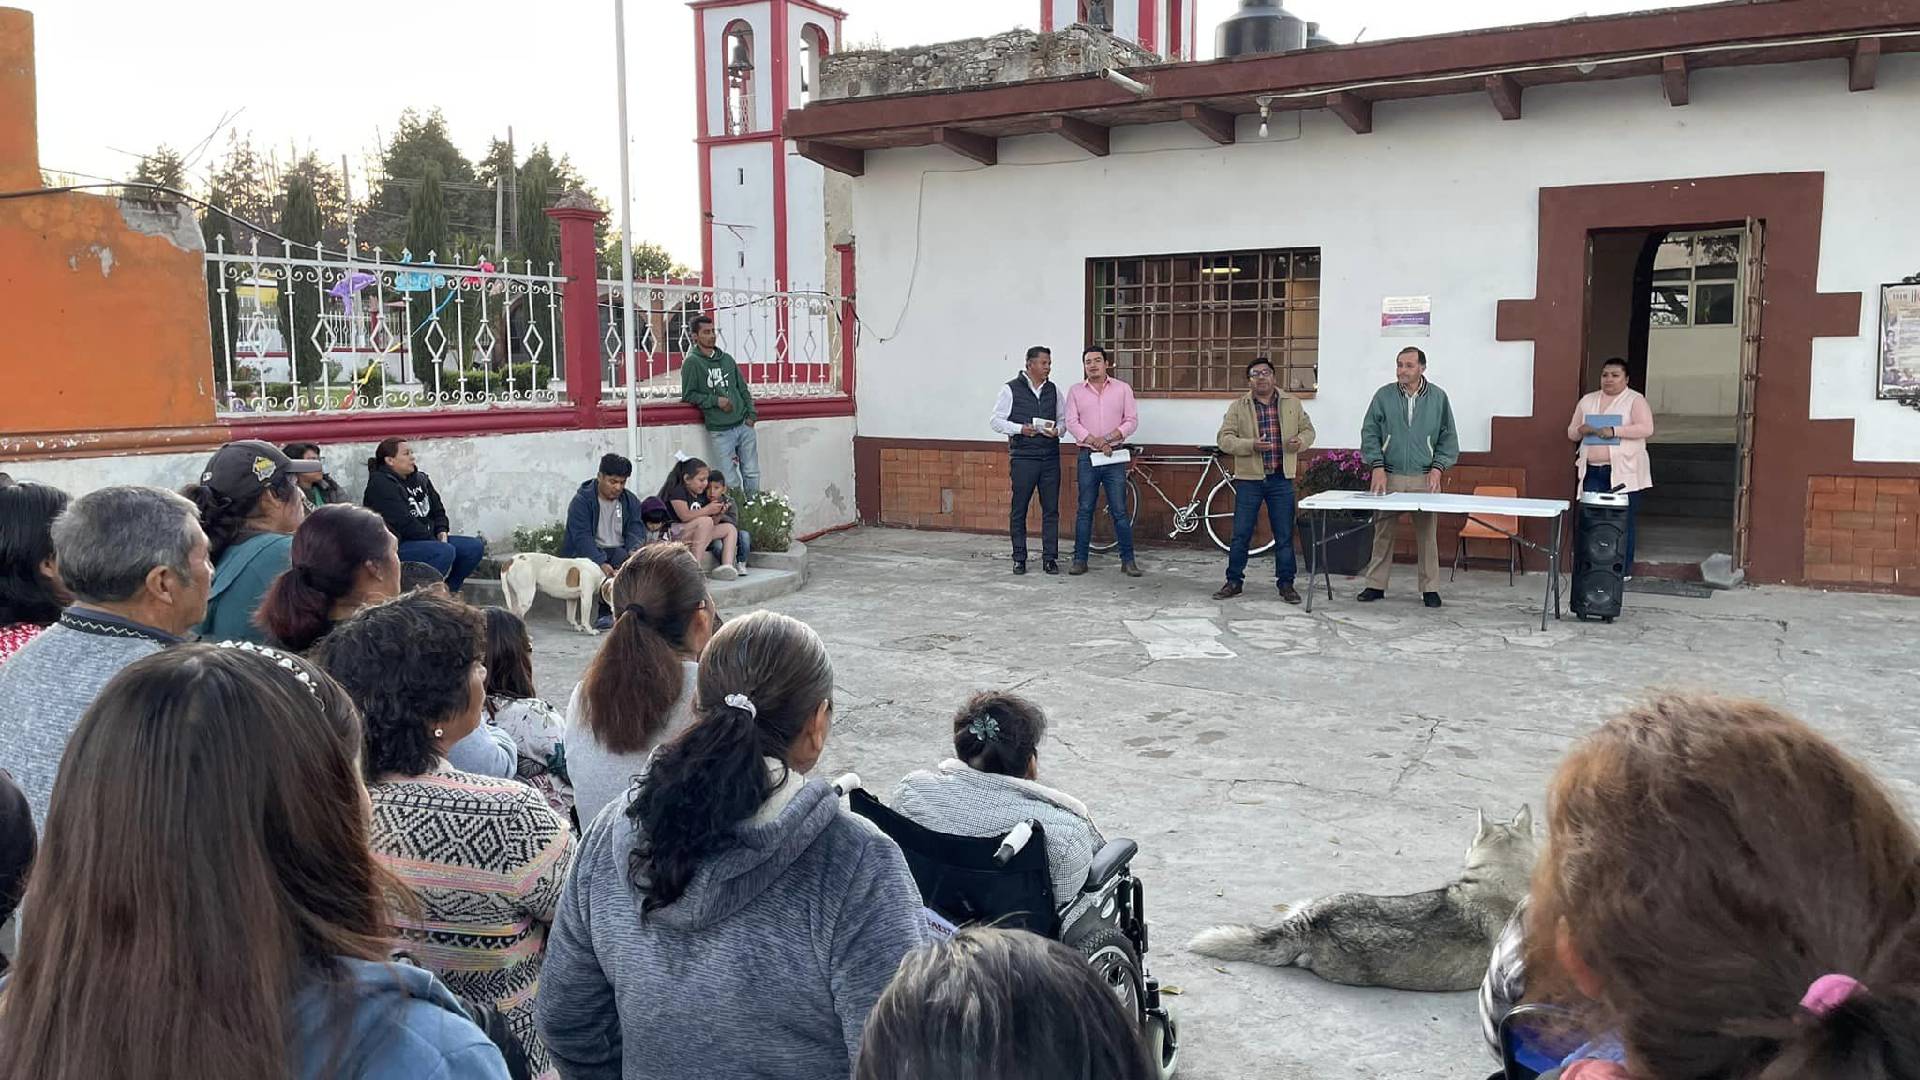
(1439, 504)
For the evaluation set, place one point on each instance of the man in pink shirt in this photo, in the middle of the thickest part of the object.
(1100, 415)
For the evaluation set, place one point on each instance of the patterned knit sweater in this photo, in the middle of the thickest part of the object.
(486, 860)
(50, 682)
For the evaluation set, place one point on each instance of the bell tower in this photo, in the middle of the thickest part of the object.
(762, 205)
(1167, 27)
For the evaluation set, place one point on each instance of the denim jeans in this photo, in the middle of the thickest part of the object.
(743, 546)
(1276, 494)
(1113, 480)
(736, 452)
(455, 559)
(1600, 478)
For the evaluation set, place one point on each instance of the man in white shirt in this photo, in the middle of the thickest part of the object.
(1027, 412)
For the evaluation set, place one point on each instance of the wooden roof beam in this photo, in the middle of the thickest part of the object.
(1864, 66)
(981, 148)
(1673, 75)
(1084, 134)
(1505, 91)
(841, 159)
(1211, 122)
(1354, 109)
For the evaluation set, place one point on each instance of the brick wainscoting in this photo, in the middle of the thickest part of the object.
(1861, 530)
(964, 486)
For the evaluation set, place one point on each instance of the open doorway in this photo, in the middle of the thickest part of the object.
(1672, 303)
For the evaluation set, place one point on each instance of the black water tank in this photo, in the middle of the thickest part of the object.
(1260, 26)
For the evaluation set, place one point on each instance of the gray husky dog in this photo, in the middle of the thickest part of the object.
(1436, 940)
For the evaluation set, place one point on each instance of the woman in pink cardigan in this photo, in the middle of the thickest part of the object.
(1623, 466)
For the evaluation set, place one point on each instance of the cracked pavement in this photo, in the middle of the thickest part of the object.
(1261, 755)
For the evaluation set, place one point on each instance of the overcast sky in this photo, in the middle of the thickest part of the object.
(118, 77)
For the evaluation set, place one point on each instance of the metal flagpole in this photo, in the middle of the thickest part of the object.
(626, 233)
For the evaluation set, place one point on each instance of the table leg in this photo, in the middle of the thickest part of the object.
(1553, 575)
(1313, 543)
(1557, 524)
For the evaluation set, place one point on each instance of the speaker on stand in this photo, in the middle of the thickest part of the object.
(1599, 556)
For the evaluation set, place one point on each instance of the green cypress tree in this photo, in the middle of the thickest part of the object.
(427, 240)
(300, 302)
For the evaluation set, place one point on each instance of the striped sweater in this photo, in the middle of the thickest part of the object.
(485, 860)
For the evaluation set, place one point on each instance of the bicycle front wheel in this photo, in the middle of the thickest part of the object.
(1102, 537)
(1220, 521)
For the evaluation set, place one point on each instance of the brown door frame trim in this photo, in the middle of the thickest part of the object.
(1788, 446)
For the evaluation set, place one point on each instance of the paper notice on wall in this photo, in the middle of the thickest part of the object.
(1406, 316)
(1899, 340)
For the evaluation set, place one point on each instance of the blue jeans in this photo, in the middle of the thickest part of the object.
(1276, 494)
(742, 547)
(1113, 480)
(455, 559)
(1600, 478)
(736, 452)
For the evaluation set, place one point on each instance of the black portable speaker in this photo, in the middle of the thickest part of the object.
(1599, 561)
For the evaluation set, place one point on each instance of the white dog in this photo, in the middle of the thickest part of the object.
(577, 581)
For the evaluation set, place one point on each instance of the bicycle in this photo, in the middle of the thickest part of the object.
(1216, 517)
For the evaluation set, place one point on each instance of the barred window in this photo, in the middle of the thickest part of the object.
(1190, 324)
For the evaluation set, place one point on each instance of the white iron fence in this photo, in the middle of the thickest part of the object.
(334, 333)
(787, 343)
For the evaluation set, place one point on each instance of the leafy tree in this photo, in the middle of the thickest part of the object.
(418, 142)
(300, 302)
(163, 167)
(241, 179)
(427, 241)
(329, 197)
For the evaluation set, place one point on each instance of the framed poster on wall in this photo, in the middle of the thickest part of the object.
(1899, 341)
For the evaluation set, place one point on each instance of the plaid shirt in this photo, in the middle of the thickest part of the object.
(1268, 416)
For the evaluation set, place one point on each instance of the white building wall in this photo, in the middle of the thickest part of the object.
(742, 225)
(961, 266)
(494, 484)
(806, 224)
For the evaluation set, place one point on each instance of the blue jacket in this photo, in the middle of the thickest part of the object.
(583, 520)
(387, 1022)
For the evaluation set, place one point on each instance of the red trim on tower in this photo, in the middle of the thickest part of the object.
(1176, 29)
(705, 154)
(1148, 33)
(782, 54)
(1046, 16)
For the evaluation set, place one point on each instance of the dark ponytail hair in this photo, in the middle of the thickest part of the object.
(27, 511)
(388, 447)
(636, 676)
(509, 656)
(223, 519)
(329, 548)
(678, 473)
(703, 784)
(998, 733)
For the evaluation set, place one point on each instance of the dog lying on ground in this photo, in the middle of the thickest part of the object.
(1435, 940)
(577, 581)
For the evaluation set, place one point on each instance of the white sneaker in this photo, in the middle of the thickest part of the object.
(742, 568)
(724, 573)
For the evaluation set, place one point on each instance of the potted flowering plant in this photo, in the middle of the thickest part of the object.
(1339, 470)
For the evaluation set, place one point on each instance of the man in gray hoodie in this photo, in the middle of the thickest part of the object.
(766, 967)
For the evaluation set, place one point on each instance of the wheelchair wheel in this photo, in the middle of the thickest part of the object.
(1163, 1039)
(1114, 960)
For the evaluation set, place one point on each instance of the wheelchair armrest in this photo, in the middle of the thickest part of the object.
(1112, 858)
(848, 782)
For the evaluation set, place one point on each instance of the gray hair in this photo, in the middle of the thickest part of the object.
(109, 540)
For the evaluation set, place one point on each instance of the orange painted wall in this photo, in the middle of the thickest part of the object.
(103, 309)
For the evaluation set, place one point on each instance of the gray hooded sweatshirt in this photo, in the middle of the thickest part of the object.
(765, 968)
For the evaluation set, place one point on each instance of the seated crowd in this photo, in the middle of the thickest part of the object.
(349, 839)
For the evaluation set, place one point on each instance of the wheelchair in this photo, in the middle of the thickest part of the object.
(1006, 882)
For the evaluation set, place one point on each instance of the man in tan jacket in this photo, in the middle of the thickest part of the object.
(1264, 432)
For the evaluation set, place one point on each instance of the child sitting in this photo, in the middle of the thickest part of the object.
(696, 523)
(717, 493)
(1730, 896)
(990, 788)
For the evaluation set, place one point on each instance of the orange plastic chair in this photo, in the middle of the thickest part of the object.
(1474, 530)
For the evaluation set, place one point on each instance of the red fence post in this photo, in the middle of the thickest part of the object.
(580, 303)
(849, 322)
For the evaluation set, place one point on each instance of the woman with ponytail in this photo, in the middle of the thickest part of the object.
(638, 690)
(730, 919)
(1732, 898)
(343, 559)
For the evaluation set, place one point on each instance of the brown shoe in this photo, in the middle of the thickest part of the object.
(1077, 568)
(1228, 591)
(1288, 593)
(1131, 569)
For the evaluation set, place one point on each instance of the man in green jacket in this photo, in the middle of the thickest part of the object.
(1409, 439)
(710, 379)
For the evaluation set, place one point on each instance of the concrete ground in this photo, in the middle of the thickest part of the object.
(1260, 754)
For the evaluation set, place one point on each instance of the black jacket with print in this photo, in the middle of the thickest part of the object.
(410, 505)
